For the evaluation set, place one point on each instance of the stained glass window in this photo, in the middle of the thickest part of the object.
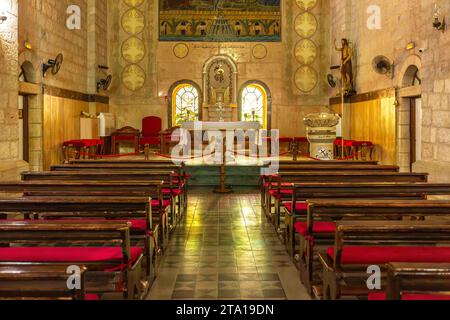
(185, 104)
(254, 104)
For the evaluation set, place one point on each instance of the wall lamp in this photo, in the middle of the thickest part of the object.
(437, 24)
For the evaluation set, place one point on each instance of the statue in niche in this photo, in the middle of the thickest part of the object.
(219, 73)
(219, 83)
(346, 67)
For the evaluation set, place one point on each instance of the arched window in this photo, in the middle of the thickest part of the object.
(185, 104)
(253, 104)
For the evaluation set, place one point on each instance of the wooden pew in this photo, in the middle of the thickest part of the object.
(318, 166)
(181, 177)
(118, 166)
(172, 191)
(112, 161)
(97, 190)
(320, 226)
(416, 281)
(359, 245)
(35, 282)
(280, 193)
(302, 192)
(103, 248)
(332, 162)
(138, 211)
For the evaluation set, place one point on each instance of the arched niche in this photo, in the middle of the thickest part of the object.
(210, 84)
(411, 77)
(407, 71)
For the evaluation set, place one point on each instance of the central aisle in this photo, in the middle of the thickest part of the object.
(225, 249)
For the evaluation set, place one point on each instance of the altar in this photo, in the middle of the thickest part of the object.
(221, 126)
(219, 134)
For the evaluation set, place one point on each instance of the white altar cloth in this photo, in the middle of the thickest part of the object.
(205, 125)
(219, 126)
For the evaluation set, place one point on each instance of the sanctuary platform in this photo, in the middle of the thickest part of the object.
(240, 172)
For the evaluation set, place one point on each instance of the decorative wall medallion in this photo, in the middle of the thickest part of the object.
(133, 50)
(133, 77)
(306, 51)
(133, 3)
(259, 51)
(181, 50)
(306, 25)
(133, 21)
(306, 78)
(306, 4)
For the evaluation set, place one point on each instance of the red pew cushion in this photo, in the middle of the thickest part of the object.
(166, 203)
(318, 227)
(83, 143)
(66, 254)
(91, 297)
(176, 191)
(357, 144)
(299, 206)
(275, 184)
(411, 297)
(384, 255)
(139, 224)
(274, 192)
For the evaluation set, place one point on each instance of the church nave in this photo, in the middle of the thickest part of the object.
(226, 249)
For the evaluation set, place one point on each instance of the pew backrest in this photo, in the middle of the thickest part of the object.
(428, 278)
(86, 188)
(337, 167)
(39, 282)
(80, 207)
(67, 233)
(338, 209)
(412, 233)
(364, 190)
(343, 176)
(99, 175)
(325, 163)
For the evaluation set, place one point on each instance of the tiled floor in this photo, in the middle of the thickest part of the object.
(225, 249)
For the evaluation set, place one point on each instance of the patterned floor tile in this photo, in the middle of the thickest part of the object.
(226, 250)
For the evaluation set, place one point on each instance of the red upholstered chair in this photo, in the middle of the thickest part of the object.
(363, 149)
(168, 138)
(299, 145)
(125, 135)
(151, 129)
(82, 147)
(348, 148)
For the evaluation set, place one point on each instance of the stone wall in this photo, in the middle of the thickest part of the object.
(9, 117)
(162, 68)
(42, 24)
(10, 165)
(403, 22)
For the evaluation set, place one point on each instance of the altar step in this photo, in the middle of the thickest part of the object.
(237, 176)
